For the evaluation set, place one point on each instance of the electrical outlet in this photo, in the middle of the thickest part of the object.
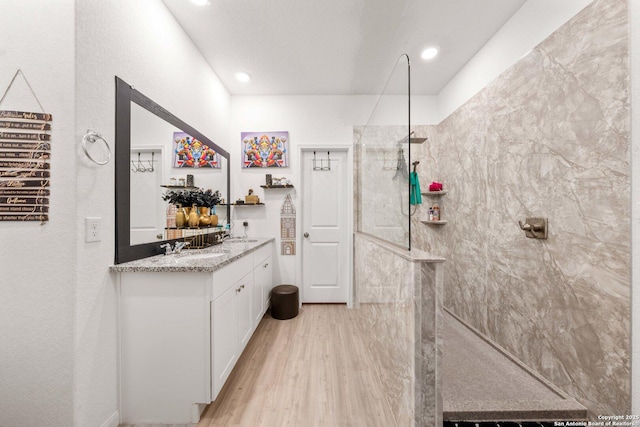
(92, 229)
(245, 223)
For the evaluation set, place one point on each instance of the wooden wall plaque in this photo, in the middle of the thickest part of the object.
(25, 149)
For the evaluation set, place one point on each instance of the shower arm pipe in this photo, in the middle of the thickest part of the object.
(408, 137)
(409, 140)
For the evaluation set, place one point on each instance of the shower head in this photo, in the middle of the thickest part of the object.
(417, 140)
(413, 140)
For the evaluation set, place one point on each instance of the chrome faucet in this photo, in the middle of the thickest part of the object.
(179, 247)
(175, 250)
(167, 248)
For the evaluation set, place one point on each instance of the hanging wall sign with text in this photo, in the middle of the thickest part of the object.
(25, 150)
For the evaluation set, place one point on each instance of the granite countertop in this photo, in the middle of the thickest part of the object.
(195, 260)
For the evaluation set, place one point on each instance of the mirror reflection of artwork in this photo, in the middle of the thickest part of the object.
(191, 153)
(265, 149)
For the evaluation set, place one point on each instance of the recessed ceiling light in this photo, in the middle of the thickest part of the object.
(429, 53)
(243, 77)
(201, 2)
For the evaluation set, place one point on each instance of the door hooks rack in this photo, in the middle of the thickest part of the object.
(140, 167)
(322, 166)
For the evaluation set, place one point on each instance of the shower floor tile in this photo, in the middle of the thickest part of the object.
(482, 383)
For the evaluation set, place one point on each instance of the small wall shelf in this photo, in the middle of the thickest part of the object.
(441, 222)
(277, 186)
(434, 193)
(179, 187)
(247, 204)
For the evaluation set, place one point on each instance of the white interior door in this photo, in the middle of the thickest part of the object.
(148, 210)
(325, 252)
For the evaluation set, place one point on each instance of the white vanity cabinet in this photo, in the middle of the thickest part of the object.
(164, 346)
(182, 332)
(231, 319)
(263, 283)
(237, 311)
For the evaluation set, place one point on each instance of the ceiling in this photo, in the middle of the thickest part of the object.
(338, 47)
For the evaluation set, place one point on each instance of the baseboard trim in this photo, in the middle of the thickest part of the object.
(196, 411)
(112, 421)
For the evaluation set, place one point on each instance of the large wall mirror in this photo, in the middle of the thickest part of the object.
(145, 168)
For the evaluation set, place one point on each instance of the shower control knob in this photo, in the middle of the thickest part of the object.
(306, 235)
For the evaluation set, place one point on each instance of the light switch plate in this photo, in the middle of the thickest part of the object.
(92, 229)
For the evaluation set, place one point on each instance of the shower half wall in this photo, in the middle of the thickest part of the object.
(397, 291)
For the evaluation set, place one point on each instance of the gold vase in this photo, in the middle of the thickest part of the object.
(193, 217)
(181, 217)
(205, 218)
(214, 220)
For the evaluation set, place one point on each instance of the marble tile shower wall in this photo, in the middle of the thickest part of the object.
(550, 138)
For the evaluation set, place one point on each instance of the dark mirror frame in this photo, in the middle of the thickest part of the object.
(125, 95)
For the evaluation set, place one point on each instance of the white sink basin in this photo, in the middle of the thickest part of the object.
(196, 257)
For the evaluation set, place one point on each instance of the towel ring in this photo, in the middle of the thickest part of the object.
(92, 137)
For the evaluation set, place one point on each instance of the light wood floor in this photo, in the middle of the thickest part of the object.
(313, 370)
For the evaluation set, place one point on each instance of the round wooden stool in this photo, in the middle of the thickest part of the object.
(285, 301)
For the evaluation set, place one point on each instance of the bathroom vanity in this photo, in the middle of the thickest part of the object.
(184, 320)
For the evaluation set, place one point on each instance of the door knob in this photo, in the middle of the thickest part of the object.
(306, 235)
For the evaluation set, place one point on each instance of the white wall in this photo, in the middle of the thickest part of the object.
(37, 262)
(141, 43)
(310, 120)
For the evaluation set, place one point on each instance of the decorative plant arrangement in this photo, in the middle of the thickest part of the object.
(178, 198)
(200, 201)
(198, 197)
(207, 198)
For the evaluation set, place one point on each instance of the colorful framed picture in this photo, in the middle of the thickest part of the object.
(265, 149)
(191, 153)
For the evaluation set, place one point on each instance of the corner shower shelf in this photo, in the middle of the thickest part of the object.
(277, 186)
(434, 194)
(441, 222)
